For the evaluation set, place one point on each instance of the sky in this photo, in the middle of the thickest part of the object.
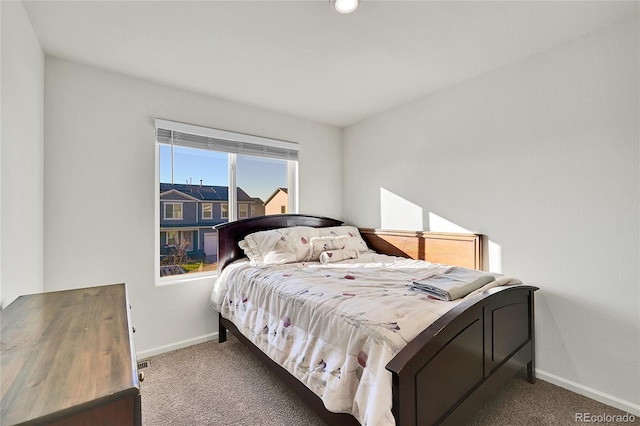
(257, 176)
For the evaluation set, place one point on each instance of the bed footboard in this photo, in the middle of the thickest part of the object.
(453, 367)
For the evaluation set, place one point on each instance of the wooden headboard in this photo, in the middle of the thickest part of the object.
(438, 247)
(450, 249)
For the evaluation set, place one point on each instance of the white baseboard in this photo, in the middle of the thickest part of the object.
(602, 397)
(176, 345)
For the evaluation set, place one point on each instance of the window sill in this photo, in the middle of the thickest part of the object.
(186, 278)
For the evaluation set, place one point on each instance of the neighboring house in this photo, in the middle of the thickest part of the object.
(278, 202)
(257, 209)
(189, 212)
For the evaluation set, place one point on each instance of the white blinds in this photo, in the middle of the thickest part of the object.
(181, 134)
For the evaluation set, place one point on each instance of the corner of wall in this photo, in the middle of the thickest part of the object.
(0, 156)
(21, 139)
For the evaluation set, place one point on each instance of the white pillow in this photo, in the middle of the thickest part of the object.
(354, 241)
(277, 246)
(331, 256)
(293, 244)
(329, 242)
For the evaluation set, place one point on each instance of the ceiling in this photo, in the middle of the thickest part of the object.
(302, 59)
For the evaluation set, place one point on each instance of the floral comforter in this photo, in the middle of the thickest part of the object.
(335, 326)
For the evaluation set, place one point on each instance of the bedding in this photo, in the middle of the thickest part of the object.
(320, 245)
(455, 283)
(335, 326)
(295, 244)
(331, 256)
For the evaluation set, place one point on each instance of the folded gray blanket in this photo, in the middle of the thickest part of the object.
(456, 283)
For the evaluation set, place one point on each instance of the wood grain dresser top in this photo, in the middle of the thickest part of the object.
(65, 351)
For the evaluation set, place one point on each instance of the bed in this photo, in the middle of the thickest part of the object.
(449, 369)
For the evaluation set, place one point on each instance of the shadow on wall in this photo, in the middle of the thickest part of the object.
(399, 213)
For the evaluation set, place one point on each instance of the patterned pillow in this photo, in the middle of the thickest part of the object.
(354, 241)
(290, 245)
(277, 246)
(331, 256)
(329, 242)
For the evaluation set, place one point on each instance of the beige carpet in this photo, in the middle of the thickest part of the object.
(224, 384)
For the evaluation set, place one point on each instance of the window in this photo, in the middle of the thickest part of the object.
(268, 188)
(207, 211)
(218, 174)
(283, 209)
(243, 211)
(173, 211)
(176, 238)
(172, 238)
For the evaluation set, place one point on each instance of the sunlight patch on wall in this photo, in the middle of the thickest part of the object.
(495, 257)
(440, 224)
(492, 251)
(399, 213)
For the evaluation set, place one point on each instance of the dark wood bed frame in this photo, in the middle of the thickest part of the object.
(453, 367)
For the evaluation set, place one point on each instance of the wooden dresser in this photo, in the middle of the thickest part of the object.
(68, 358)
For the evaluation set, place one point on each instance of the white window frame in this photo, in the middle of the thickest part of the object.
(210, 205)
(292, 183)
(166, 203)
(224, 211)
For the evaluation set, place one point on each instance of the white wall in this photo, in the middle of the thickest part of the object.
(542, 156)
(100, 187)
(22, 152)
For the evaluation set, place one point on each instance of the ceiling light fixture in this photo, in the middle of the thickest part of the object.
(345, 6)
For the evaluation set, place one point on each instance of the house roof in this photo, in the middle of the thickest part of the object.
(285, 190)
(175, 195)
(204, 192)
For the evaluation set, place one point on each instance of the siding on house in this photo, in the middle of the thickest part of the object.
(192, 199)
(278, 202)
